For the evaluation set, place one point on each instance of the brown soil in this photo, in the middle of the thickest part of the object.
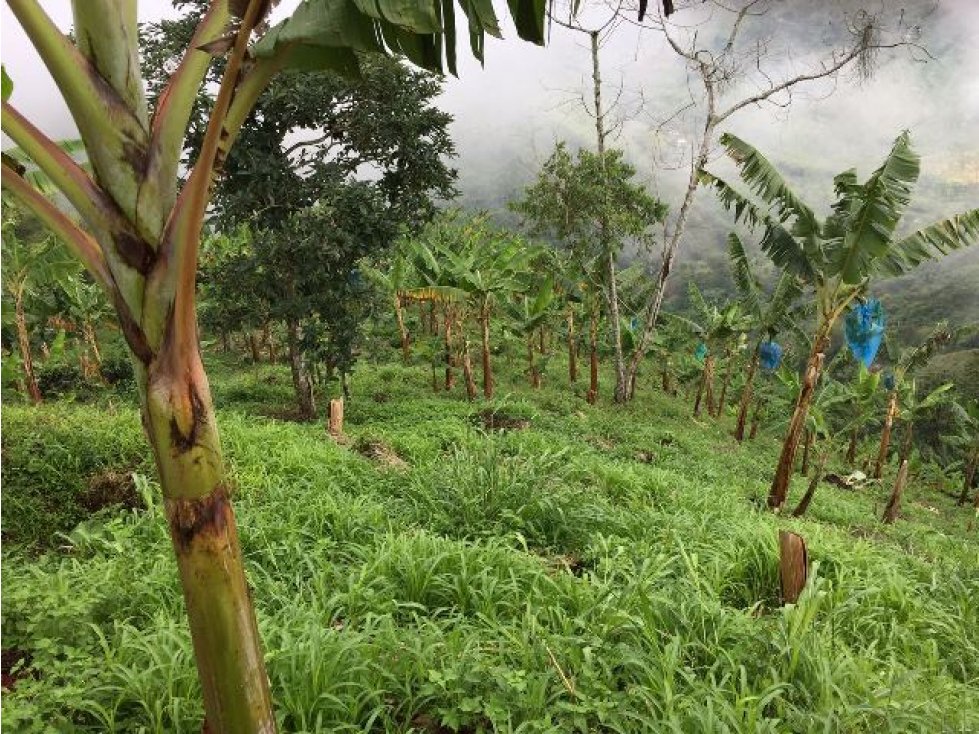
(110, 488)
(11, 658)
(495, 420)
(379, 452)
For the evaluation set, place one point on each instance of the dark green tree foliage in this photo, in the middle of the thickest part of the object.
(327, 170)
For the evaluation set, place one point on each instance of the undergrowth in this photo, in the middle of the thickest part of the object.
(584, 569)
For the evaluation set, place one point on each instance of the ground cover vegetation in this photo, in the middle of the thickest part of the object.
(553, 554)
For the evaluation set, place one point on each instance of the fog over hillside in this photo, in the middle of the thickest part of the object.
(509, 114)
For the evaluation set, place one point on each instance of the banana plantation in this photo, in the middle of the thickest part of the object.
(613, 371)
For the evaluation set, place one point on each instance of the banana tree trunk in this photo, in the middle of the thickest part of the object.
(402, 330)
(91, 340)
(885, 435)
(783, 471)
(531, 365)
(908, 442)
(970, 475)
(706, 389)
(851, 450)
(746, 393)
(593, 357)
(180, 423)
(24, 342)
(572, 349)
(467, 371)
(807, 447)
(484, 325)
(755, 419)
(806, 500)
(449, 375)
(302, 382)
(722, 401)
(894, 503)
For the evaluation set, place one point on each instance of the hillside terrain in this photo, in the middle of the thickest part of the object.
(529, 564)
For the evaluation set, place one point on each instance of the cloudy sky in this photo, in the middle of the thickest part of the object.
(509, 114)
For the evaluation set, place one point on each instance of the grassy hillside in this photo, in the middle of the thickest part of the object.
(587, 569)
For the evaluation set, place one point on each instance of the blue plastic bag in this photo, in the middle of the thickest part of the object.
(701, 352)
(770, 355)
(864, 330)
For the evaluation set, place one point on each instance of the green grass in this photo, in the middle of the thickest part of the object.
(604, 569)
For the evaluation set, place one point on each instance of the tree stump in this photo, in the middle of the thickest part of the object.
(894, 503)
(793, 565)
(336, 417)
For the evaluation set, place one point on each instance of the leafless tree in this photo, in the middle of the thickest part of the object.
(743, 57)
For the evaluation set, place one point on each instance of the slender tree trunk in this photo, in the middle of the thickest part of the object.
(467, 371)
(851, 451)
(593, 357)
(907, 444)
(666, 380)
(182, 430)
(783, 472)
(531, 366)
(806, 448)
(622, 391)
(254, 346)
(449, 376)
(970, 475)
(484, 325)
(706, 389)
(225, 342)
(402, 330)
(755, 420)
(24, 342)
(746, 393)
(433, 322)
(572, 349)
(91, 339)
(885, 435)
(301, 381)
(804, 503)
(273, 351)
(894, 504)
(722, 401)
(672, 245)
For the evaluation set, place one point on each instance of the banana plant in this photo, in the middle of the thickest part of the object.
(494, 268)
(527, 314)
(139, 237)
(966, 440)
(914, 408)
(908, 362)
(837, 256)
(30, 268)
(393, 281)
(720, 330)
(772, 315)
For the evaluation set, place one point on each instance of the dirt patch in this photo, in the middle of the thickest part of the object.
(14, 666)
(602, 443)
(495, 420)
(380, 453)
(645, 457)
(110, 488)
(380, 397)
(567, 563)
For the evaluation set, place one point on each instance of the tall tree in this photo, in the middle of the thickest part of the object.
(835, 257)
(590, 204)
(369, 150)
(140, 234)
(729, 50)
